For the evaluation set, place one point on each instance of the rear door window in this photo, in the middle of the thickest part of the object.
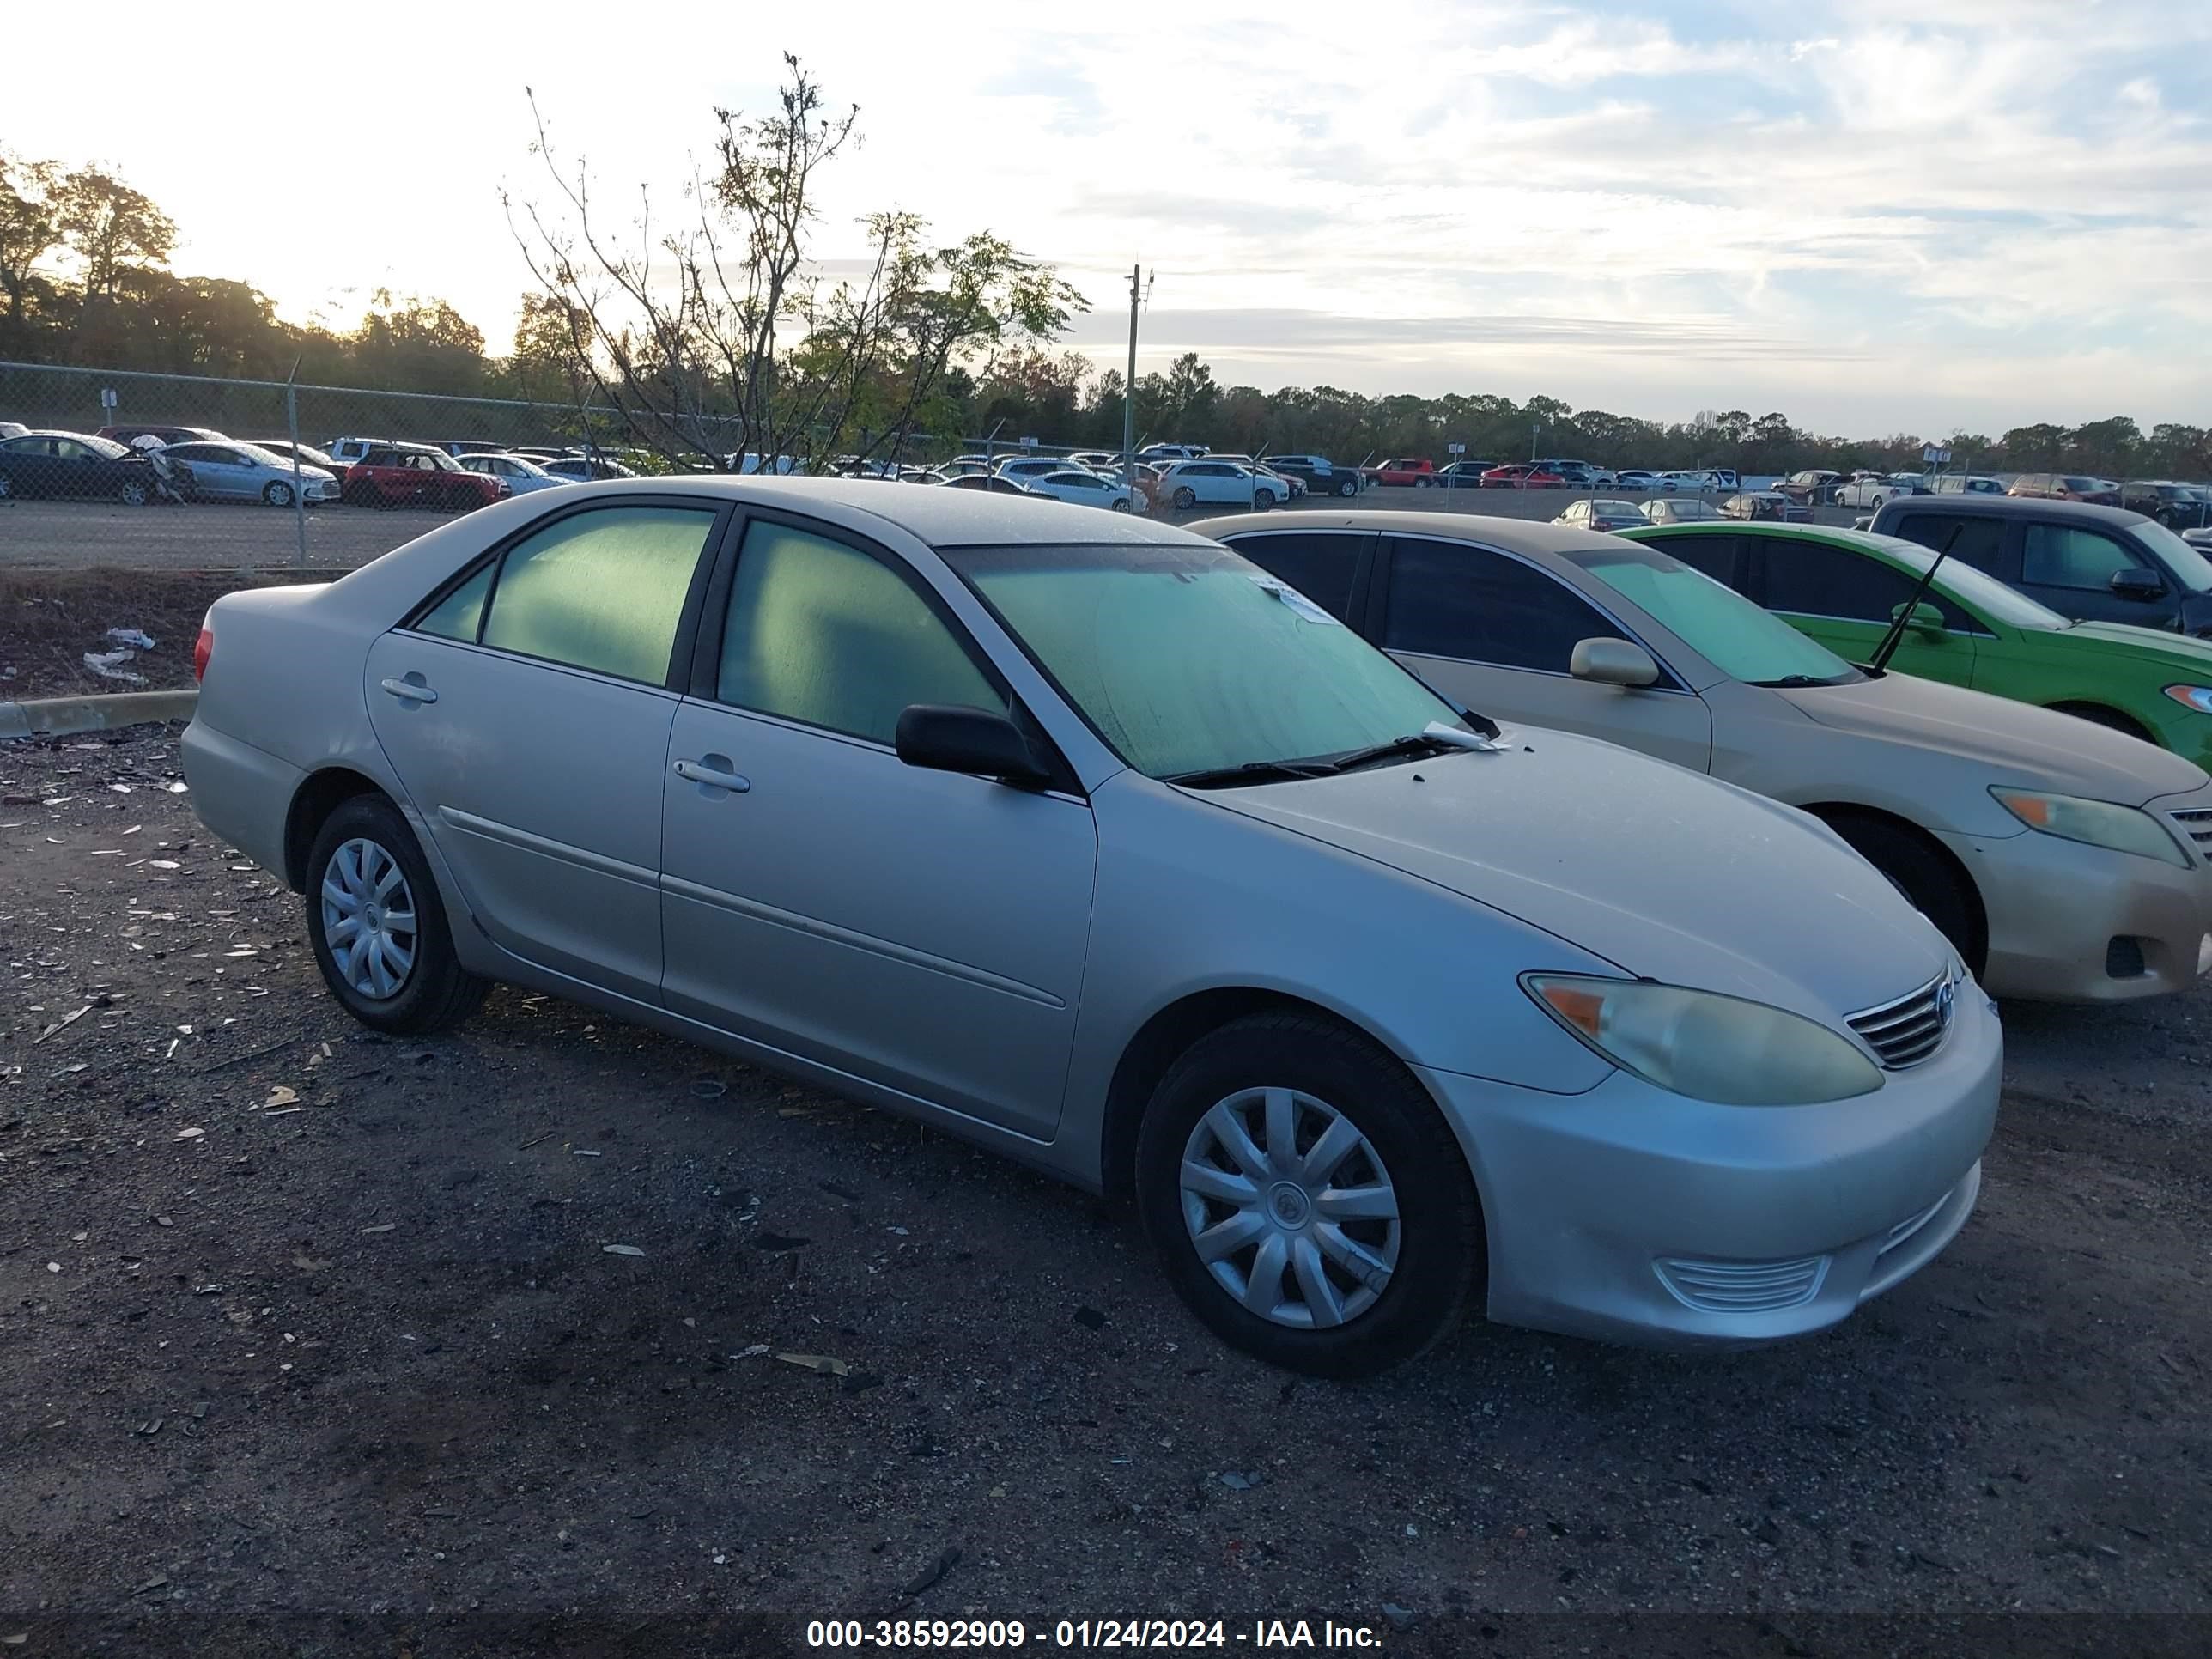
(602, 590)
(1981, 539)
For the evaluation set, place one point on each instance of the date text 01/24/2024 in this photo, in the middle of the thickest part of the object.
(1158, 1635)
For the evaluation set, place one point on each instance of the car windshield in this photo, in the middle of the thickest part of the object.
(1963, 582)
(1689, 509)
(1186, 658)
(2188, 565)
(1716, 622)
(1615, 510)
(105, 447)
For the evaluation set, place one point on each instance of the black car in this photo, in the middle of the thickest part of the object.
(2176, 506)
(2092, 563)
(1460, 475)
(1320, 475)
(75, 464)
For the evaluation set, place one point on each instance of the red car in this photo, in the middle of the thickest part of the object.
(1520, 475)
(1412, 470)
(2066, 487)
(415, 475)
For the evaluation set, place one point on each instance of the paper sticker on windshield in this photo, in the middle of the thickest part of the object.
(1297, 601)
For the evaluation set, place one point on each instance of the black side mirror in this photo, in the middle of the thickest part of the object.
(976, 741)
(2138, 584)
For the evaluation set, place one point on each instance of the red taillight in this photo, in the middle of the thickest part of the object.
(203, 648)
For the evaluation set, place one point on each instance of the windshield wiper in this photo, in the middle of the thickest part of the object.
(1221, 777)
(1791, 681)
(1902, 619)
(1434, 741)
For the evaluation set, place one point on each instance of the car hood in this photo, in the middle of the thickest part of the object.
(2019, 743)
(1667, 874)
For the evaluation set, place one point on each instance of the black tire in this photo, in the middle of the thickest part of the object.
(1931, 883)
(438, 992)
(1185, 498)
(1441, 1252)
(1421, 482)
(6, 487)
(276, 493)
(1348, 487)
(134, 494)
(2111, 719)
(1121, 506)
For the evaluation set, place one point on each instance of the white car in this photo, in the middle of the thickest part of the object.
(13, 429)
(1635, 477)
(521, 474)
(1872, 489)
(1027, 468)
(1087, 489)
(1221, 483)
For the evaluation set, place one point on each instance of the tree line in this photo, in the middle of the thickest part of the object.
(707, 325)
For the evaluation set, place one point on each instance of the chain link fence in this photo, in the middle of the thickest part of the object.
(200, 442)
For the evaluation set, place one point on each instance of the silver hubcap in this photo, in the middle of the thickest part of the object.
(368, 919)
(1289, 1209)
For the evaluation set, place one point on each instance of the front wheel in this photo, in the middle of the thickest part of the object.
(378, 926)
(1929, 882)
(1306, 1199)
(134, 494)
(278, 494)
(1121, 506)
(6, 487)
(1876, 502)
(1185, 498)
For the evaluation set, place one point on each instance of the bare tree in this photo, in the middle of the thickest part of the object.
(718, 336)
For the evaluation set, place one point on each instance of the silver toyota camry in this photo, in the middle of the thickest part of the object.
(1084, 838)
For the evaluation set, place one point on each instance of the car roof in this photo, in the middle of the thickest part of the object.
(2038, 507)
(1535, 537)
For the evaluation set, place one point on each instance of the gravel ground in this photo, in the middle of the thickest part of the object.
(229, 536)
(315, 1342)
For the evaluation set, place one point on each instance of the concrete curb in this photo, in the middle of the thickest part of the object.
(60, 717)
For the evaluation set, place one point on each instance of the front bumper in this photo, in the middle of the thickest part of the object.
(2055, 909)
(1633, 1215)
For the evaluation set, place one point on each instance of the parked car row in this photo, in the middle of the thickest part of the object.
(1639, 979)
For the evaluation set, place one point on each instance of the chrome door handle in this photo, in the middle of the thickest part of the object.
(713, 776)
(411, 691)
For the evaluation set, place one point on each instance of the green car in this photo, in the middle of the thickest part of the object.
(1845, 586)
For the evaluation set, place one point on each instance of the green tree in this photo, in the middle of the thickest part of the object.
(418, 345)
(30, 230)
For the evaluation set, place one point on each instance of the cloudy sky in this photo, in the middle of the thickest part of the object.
(1868, 220)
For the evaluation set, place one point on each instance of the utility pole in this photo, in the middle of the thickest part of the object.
(1129, 386)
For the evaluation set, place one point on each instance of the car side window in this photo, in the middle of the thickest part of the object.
(1319, 564)
(1811, 578)
(69, 449)
(823, 634)
(1450, 600)
(1714, 556)
(1981, 539)
(602, 590)
(2067, 555)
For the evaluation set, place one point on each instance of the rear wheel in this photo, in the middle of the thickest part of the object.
(7, 486)
(1931, 883)
(378, 926)
(1348, 487)
(1307, 1198)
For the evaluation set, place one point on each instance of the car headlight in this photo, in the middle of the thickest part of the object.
(2198, 697)
(2093, 823)
(1705, 1045)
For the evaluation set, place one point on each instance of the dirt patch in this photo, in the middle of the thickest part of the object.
(314, 1341)
(50, 619)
